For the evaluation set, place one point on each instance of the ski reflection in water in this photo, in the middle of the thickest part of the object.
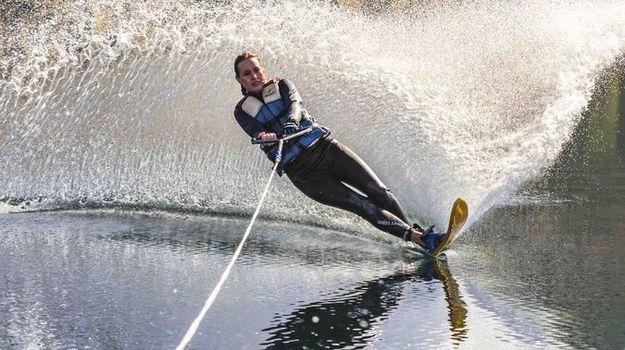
(350, 319)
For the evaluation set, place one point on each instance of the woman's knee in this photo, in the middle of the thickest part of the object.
(382, 194)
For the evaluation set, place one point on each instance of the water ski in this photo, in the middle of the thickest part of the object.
(457, 219)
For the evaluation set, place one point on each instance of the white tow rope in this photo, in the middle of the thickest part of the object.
(211, 298)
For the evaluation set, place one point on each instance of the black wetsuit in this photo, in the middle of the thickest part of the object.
(320, 166)
(322, 171)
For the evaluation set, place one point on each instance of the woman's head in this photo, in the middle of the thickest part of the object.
(249, 72)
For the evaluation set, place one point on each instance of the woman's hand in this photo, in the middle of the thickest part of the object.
(268, 136)
(290, 127)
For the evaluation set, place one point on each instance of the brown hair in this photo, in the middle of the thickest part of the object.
(245, 55)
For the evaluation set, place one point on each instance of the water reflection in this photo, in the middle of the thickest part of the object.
(349, 320)
(456, 306)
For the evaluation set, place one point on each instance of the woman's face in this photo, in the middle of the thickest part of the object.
(251, 75)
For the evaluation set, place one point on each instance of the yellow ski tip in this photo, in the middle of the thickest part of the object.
(457, 218)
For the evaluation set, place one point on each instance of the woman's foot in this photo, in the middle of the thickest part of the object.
(426, 239)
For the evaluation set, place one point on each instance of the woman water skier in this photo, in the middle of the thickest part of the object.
(316, 164)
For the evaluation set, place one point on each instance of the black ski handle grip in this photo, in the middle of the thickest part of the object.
(299, 133)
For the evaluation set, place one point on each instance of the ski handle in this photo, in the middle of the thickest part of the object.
(299, 133)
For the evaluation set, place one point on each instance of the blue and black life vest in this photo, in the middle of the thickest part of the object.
(271, 112)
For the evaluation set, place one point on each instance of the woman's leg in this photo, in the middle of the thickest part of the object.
(352, 170)
(326, 189)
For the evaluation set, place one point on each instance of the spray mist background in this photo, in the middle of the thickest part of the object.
(130, 104)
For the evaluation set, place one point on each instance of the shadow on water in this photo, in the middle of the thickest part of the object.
(349, 320)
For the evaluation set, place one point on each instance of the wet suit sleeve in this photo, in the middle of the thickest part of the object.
(291, 98)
